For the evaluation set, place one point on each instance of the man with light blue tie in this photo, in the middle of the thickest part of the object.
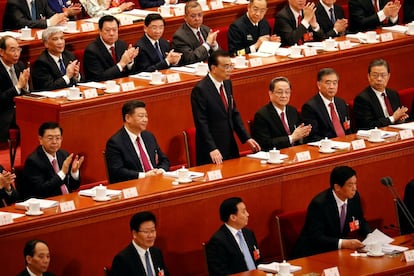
(233, 248)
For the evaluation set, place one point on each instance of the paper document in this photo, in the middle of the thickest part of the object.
(397, 28)
(335, 144)
(264, 155)
(192, 174)
(10, 33)
(44, 203)
(274, 267)
(138, 12)
(184, 69)
(92, 192)
(384, 134)
(362, 37)
(52, 94)
(142, 76)
(93, 84)
(379, 237)
(14, 215)
(404, 126)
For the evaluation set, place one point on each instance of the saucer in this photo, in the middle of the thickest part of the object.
(201, 75)
(371, 254)
(295, 56)
(331, 49)
(188, 180)
(71, 31)
(106, 198)
(280, 161)
(289, 274)
(34, 213)
(372, 42)
(74, 98)
(241, 67)
(156, 83)
(376, 141)
(326, 151)
(27, 38)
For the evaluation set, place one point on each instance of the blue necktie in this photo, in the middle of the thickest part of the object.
(245, 250)
(332, 15)
(33, 10)
(148, 264)
(157, 49)
(62, 67)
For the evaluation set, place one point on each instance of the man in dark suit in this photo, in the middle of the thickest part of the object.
(193, 39)
(331, 18)
(8, 194)
(327, 113)
(377, 105)
(277, 124)
(140, 257)
(49, 170)
(14, 79)
(37, 258)
(296, 23)
(19, 14)
(408, 8)
(365, 15)
(56, 67)
(133, 152)
(155, 53)
(71, 9)
(334, 218)
(108, 57)
(215, 114)
(247, 33)
(233, 248)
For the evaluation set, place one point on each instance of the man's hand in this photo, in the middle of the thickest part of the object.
(300, 132)
(212, 38)
(154, 172)
(341, 25)
(260, 41)
(6, 179)
(309, 13)
(126, 6)
(77, 163)
(72, 70)
(400, 114)
(24, 79)
(128, 56)
(352, 244)
(216, 157)
(58, 19)
(173, 57)
(72, 10)
(254, 146)
(391, 9)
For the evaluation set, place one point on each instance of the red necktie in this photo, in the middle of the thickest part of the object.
(200, 38)
(375, 5)
(63, 187)
(143, 156)
(113, 54)
(282, 118)
(387, 104)
(336, 122)
(300, 41)
(223, 97)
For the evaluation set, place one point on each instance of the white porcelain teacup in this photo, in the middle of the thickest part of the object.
(202, 69)
(371, 36)
(375, 134)
(26, 32)
(295, 50)
(100, 192)
(34, 207)
(71, 26)
(284, 269)
(410, 28)
(274, 155)
(240, 61)
(74, 93)
(329, 44)
(164, 10)
(183, 174)
(156, 77)
(375, 248)
(325, 145)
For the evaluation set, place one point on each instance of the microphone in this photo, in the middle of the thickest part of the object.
(386, 181)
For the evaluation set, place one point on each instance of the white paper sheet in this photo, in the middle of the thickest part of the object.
(44, 203)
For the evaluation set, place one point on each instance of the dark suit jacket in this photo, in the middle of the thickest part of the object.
(186, 42)
(123, 161)
(223, 253)
(268, 130)
(26, 273)
(290, 34)
(17, 15)
(408, 8)
(40, 179)
(98, 62)
(215, 126)
(314, 112)
(46, 74)
(55, 5)
(322, 231)
(150, 3)
(5, 198)
(128, 262)
(324, 19)
(147, 59)
(7, 94)
(362, 15)
(368, 112)
(242, 34)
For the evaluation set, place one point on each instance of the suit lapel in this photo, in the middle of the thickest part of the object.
(376, 104)
(324, 113)
(130, 148)
(105, 53)
(152, 51)
(278, 122)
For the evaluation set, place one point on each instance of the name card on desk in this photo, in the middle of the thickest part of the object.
(386, 36)
(90, 93)
(6, 218)
(303, 156)
(130, 192)
(39, 34)
(358, 144)
(126, 20)
(309, 51)
(256, 62)
(214, 175)
(343, 45)
(333, 271)
(67, 206)
(175, 77)
(409, 255)
(127, 86)
(179, 11)
(87, 27)
(406, 134)
(215, 5)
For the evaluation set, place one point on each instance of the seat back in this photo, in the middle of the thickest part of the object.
(106, 166)
(406, 98)
(403, 223)
(288, 227)
(107, 270)
(190, 146)
(222, 39)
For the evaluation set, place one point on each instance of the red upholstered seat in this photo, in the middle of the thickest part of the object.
(2, 8)
(79, 56)
(346, 10)
(222, 38)
(289, 225)
(271, 23)
(407, 97)
(190, 146)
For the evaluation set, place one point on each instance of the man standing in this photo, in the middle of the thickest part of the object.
(37, 258)
(377, 105)
(133, 152)
(49, 170)
(56, 67)
(233, 248)
(327, 113)
(334, 218)
(140, 257)
(277, 124)
(215, 114)
(107, 57)
(193, 39)
(155, 52)
(331, 18)
(14, 79)
(296, 23)
(247, 33)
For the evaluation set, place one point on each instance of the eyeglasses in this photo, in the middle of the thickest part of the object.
(227, 67)
(257, 10)
(377, 75)
(281, 92)
(148, 232)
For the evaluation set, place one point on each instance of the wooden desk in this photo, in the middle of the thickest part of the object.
(85, 240)
(88, 124)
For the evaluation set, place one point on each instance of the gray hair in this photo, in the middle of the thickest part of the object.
(49, 32)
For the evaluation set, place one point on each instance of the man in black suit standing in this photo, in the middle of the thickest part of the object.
(327, 113)
(334, 219)
(37, 258)
(377, 105)
(215, 114)
(365, 15)
(331, 18)
(154, 51)
(193, 39)
(33, 14)
(233, 248)
(8, 194)
(56, 67)
(296, 23)
(133, 152)
(140, 257)
(108, 57)
(278, 124)
(14, 81)
(49, 170)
